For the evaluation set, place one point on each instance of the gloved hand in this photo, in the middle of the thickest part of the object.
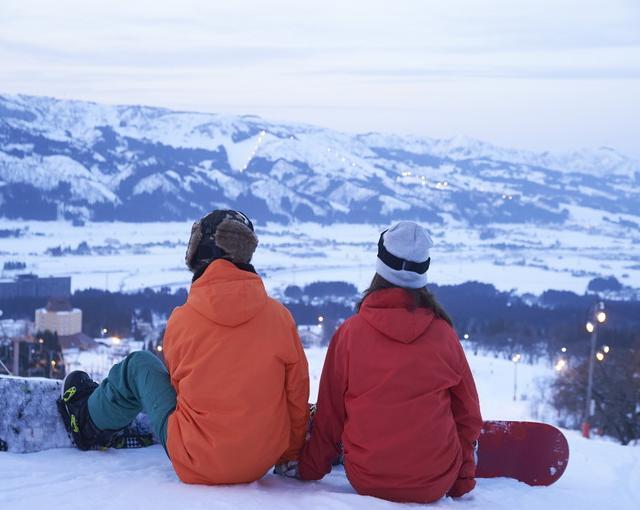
(461, 486)
(287, 469)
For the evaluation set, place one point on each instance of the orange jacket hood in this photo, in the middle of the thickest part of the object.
(210, 294)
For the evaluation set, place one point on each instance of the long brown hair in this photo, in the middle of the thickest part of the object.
(421, 297)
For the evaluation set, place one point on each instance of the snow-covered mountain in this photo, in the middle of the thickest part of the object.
(72, 159)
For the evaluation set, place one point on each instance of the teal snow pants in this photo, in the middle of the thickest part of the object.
(139, 383)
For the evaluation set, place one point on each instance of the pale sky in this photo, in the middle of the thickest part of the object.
(541, 74)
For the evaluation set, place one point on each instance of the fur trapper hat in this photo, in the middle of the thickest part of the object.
(223, 233)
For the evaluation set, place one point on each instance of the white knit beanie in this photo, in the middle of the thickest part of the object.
(403, 255)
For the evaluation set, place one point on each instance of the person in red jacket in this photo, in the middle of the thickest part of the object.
(396, 389)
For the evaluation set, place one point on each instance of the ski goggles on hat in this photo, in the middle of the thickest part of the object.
(400, 264)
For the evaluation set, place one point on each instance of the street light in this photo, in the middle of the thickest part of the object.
(516, 359)
(561, 364)
(597, 315)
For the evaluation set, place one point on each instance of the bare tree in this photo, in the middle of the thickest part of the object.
(616, 394)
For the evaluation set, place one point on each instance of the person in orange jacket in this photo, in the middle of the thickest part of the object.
(234, 401)
(396, 390)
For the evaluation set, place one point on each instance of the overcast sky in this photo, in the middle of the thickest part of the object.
(542, 74)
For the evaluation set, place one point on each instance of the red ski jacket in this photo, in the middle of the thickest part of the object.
(397, 391)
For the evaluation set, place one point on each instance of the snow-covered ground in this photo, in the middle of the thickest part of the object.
(528, 258)
(601, 474)
(97, 362)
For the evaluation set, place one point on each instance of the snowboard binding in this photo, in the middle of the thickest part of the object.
(73, 408)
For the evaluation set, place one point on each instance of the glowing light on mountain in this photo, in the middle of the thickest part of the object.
(254, 151)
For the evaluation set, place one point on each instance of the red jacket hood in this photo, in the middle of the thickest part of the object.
(227, 295)
(393, 313)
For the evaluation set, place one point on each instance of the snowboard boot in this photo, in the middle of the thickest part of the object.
(78, 387)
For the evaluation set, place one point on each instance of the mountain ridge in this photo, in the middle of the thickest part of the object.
(84, 160)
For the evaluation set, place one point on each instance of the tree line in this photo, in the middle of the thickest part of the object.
(504, 323)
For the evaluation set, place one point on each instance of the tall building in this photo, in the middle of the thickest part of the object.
(30, 285)
(59, 317)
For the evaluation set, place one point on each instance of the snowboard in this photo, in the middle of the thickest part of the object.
(533, 453)
(30, 420)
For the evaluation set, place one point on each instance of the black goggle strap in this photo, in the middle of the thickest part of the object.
(238, 216)
(244, 219)
(399, 264)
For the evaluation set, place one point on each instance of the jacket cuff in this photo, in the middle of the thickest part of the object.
(461, 486)
(306, 473)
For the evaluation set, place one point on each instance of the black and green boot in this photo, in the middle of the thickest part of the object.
(72, 404)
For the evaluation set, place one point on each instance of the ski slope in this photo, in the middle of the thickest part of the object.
(601, 474)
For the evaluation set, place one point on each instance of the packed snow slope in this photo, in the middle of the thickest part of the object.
(600, 475)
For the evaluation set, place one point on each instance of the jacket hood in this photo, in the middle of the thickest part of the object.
(392, 312)
(227, 295)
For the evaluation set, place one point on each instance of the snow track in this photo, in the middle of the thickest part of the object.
(601, 474)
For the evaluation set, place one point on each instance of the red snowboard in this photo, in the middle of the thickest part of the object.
(533, 453)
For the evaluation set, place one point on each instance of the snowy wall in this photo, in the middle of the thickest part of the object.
(29, 420)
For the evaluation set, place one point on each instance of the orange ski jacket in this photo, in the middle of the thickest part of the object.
(241, 378)
(397, 391)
